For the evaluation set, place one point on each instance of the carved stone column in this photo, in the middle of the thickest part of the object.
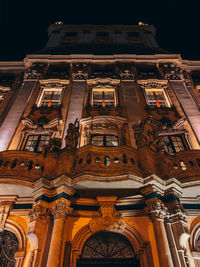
(60, 211)
(177, 229)
(157, 212)
(37, 234)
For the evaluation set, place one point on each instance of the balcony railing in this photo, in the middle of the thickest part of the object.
(108, 162)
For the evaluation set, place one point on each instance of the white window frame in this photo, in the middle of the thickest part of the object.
(49, 89)
(158, 90)
(103, 89)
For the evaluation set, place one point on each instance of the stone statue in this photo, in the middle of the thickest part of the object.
(71, 139)
(53, 146)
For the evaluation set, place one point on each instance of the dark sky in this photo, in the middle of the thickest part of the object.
(24, 24)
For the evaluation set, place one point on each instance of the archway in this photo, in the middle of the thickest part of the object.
(107, 249)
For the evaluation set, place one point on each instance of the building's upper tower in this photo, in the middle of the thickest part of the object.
(101, 39)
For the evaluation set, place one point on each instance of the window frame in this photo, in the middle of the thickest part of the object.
(39, 100)
(166, 97)
(171, 142)
(103, 89)
(104, 139)
(37, 142)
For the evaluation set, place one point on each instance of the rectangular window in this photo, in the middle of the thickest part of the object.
(103, 97)
(157, 98)
(173, 143)
(35, 143)
(50, 98)
(104, 140)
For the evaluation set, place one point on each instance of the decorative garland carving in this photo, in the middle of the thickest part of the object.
(103, 82)
(152, 84)
(55, 83)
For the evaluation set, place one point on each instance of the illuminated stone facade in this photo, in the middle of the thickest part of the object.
(100, 152)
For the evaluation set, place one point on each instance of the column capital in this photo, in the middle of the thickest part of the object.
(61, 209)
(156, 209)
(176, 213)
(40, 211)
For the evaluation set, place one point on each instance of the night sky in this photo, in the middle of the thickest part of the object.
(24, 24)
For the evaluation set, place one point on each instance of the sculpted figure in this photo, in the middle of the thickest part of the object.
(72, 136)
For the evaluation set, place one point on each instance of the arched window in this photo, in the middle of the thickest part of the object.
(8, 246)
(107, 249)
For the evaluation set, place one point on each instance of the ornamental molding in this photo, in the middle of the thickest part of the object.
(157, 84)
(98, 82)
(4, 89)
(5, 207)
(54, 83)
(32, 74)
(107, 219)
(42, 124)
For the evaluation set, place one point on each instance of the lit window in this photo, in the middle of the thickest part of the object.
(35, 143)
(173, 143)
(104, 140)
(157, 98)
(103, 97)
(50, 98)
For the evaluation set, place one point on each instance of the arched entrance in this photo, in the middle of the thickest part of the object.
(107, 249)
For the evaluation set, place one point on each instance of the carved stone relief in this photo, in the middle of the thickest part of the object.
(107, 219)
(171, 71)
(80, 71)
(5, 207)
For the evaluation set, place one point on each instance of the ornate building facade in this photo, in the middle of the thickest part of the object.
(100, 152)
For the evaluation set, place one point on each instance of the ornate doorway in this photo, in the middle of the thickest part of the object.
(8, 246)
(107, 249)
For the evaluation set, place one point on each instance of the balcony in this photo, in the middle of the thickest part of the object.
(110, 162)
